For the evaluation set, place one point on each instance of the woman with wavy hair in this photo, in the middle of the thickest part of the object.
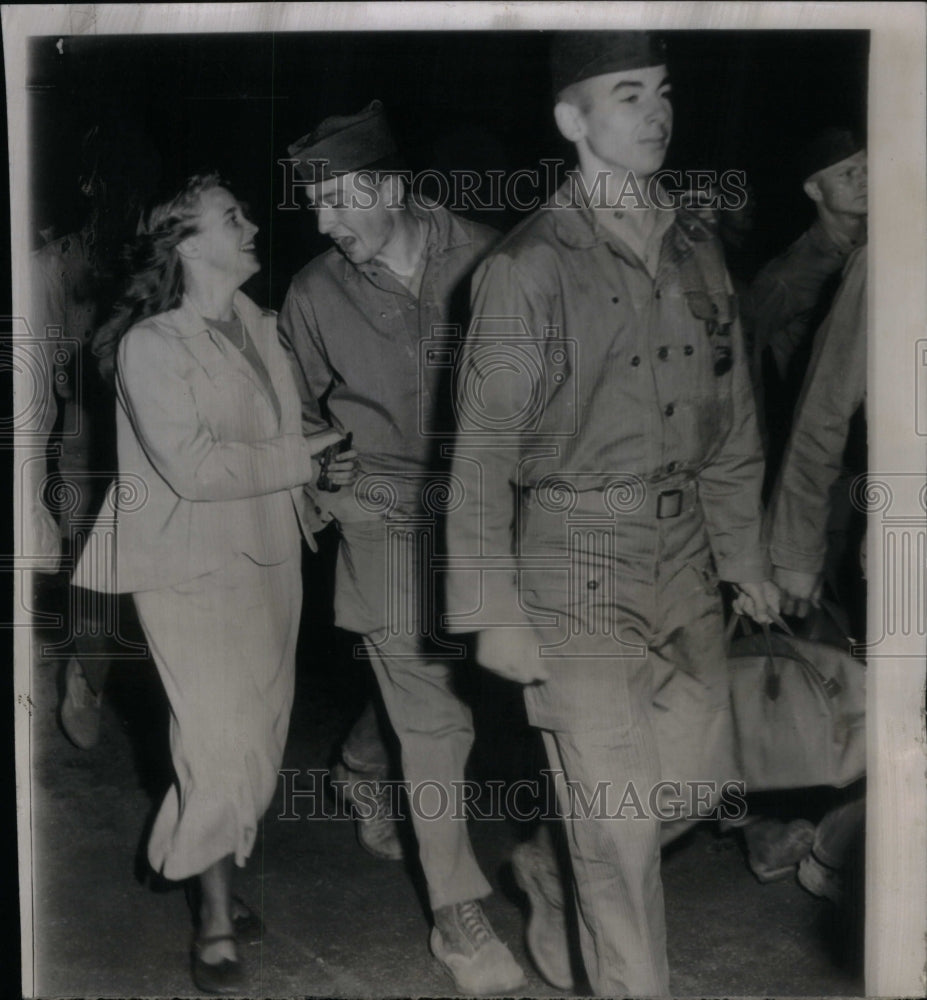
(202, 527)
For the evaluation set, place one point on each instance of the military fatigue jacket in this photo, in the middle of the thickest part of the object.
(792, 294)
(581, 367)
(379, 356)
(834, 389)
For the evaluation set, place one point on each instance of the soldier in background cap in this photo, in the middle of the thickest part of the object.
(357, 321)
(792, 294)
(633, 410)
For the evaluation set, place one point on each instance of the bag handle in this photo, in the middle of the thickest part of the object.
(772, 683)
(736, 619)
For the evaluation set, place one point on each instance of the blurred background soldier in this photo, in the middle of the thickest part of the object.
(813, 481)
(792, 294)
(73, 281)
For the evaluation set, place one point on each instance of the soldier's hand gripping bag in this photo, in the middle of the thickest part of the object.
(799, 712)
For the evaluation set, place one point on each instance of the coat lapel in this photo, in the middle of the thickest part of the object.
(212, 349)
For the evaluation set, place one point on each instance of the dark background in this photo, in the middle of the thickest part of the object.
(474, 100)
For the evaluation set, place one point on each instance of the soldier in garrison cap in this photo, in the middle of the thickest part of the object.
(357, 321)
(610, 479)
(792, 294)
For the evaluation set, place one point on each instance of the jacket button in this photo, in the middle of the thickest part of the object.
(670, 410)
(635, 361)
(318, 510)
(592, 584)
(663, 353)
(657, 294)
(614, 298)
(688, 349)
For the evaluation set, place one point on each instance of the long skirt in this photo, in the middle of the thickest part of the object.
(224, 645)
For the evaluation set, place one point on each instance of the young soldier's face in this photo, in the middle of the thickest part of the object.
(625, 118)
(844, 187)
(355, 211)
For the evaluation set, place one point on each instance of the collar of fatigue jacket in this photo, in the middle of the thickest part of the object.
(829, 241)
(693, 250)
(443, 234)
(576, 225)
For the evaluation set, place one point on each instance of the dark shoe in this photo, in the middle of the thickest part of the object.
(376, 829)
(546, 934)
(81, 708)
(225, 976)
(466, 945)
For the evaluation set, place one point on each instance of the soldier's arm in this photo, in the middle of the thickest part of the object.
(299, 335)
(834, 389)
(482, 527)
(730, 485)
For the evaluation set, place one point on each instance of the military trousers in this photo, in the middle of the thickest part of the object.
(379, 594)
(635, 715)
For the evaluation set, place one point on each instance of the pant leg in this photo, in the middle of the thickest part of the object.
(691, 704)
(364, 748)
(97, 619)
(95, 669)
(615, 861)
(837, 831)
(435, 732)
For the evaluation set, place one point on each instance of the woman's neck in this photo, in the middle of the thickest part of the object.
(212, 300)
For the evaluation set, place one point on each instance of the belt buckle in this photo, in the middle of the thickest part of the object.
(669, 504)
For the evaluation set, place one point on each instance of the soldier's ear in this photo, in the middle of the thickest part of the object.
(813, 190)
(570, 120)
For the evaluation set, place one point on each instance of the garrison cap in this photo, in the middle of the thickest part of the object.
(342, 144)
(828, 147)
(579, 55)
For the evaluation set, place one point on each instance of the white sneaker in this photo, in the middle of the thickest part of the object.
(463, 940)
